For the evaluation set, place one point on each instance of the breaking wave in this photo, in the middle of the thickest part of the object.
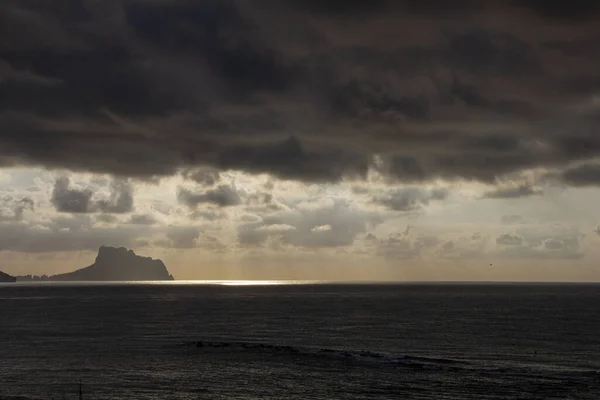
(349, 355)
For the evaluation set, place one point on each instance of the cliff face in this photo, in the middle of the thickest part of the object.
(119, 264)
(7, 278)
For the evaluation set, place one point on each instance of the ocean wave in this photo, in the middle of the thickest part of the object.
(342, 354)
(528, 370)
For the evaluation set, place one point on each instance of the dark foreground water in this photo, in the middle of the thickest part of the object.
(158, 341)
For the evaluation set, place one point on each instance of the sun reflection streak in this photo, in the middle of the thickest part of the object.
(245, 282)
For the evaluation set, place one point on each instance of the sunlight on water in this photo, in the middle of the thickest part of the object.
(175, 283)
(245, 283)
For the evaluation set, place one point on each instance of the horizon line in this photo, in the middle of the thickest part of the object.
(292, 282)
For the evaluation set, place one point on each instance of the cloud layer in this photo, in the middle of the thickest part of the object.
(389, 132)
(304, 90)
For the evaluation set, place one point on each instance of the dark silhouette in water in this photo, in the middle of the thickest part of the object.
(7, 278)
(115, 264)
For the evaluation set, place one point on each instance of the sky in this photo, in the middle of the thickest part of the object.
(301, 139)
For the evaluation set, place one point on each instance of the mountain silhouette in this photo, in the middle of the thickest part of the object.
(118, 264)
(7, 278)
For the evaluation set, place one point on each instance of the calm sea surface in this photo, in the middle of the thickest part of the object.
(311, 341)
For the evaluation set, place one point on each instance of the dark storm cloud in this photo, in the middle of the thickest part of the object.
(575, 9)
(203, 176)
(72, 200)
(69, 200)
(483, 52)
(305, 90)
(358, 100)
(292, 160)
(337, 7)
(214, 31)
(409, 199)
(582, 175)
(359, 8)
(478, 158)
(222, 196)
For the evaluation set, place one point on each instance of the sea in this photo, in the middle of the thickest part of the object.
(299, 340)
